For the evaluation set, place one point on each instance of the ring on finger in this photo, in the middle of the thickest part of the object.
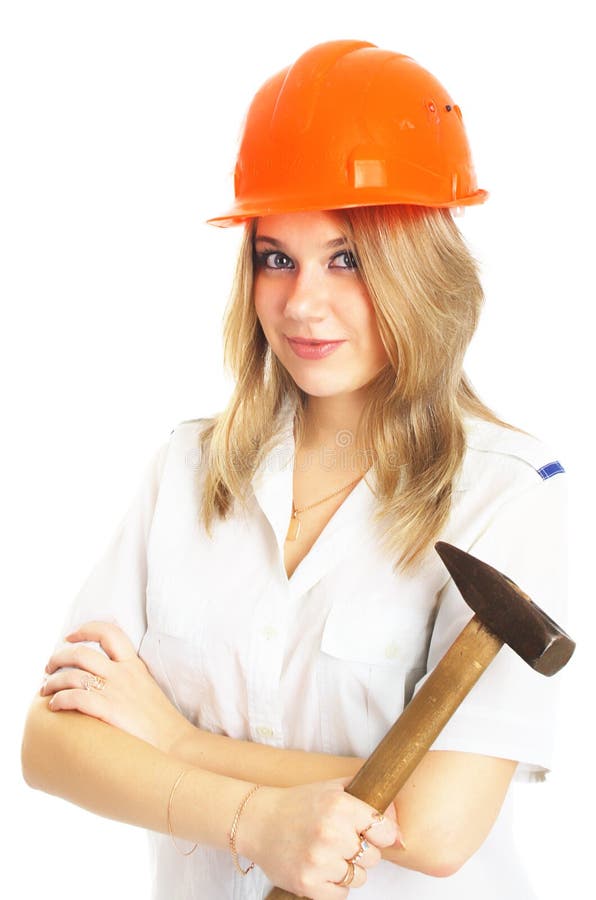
(364, 845)
(349, 876)
(377, 817)
(94, 683)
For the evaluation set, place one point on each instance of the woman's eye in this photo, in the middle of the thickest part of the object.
(344, 260)
(274, 260)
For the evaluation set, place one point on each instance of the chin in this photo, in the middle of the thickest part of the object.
(323, 387)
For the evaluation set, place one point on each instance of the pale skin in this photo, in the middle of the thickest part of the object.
(299, 836)
(445, 810)
(306, 286)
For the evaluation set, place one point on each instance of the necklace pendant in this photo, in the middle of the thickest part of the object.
(294, 529)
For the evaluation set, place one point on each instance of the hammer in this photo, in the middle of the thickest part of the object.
(503, 614)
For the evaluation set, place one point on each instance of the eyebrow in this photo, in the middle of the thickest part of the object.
(336, 242)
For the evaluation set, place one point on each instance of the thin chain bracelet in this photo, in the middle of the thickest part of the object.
(170, 801)
(233, 830)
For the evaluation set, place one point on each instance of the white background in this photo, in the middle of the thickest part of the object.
(119, 127)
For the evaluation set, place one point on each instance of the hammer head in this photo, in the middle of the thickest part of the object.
(507, 612)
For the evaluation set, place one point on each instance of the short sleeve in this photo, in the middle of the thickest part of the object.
(115, 589)
(511, 711)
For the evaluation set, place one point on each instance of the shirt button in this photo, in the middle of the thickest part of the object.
(391, 651)
(263, 731)
(269, 632)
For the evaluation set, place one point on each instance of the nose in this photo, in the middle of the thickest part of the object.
(307, 295)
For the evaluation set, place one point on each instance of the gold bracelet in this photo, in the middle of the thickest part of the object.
(233, 829)
(170, 801)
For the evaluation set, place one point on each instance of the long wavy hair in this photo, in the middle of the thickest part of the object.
(424, 286)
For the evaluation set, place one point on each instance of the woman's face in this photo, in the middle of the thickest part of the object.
(307, 286)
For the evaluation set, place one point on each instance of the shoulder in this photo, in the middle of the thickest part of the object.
(184, 444)
(503, 455)
(191, 426)
(188, 430)
(509, 505)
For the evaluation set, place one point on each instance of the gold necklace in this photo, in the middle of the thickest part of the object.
(295, 523)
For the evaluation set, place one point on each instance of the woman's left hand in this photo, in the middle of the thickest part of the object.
(119, 690)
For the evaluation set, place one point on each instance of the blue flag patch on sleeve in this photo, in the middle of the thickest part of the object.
(550, 469)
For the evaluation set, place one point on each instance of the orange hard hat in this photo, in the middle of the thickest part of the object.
(349, 124)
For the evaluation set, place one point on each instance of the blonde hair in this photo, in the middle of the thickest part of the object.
(424, 286)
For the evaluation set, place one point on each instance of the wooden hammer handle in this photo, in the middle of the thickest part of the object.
(394, 759)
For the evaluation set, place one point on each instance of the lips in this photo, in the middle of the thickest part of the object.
(311, 341)
(313, 349)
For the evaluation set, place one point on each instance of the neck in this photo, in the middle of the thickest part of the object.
(332, 422)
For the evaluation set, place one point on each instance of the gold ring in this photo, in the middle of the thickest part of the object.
(377, 817)
(93, 683)
(364, 845)
(348, 877)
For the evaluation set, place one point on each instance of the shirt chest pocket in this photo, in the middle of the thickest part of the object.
(175, 663)
(372, 653)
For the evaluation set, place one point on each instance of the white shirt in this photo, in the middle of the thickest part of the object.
(325, 661)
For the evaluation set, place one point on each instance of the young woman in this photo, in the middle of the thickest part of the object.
(272, 599)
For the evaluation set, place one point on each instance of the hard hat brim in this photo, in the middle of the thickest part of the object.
(242, 212)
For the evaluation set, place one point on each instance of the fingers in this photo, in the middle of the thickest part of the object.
(109, 635)
(79, 657)
(67, 679)
(359, 876)
(391, 812)
(348, 876)
(365, 854)
(378, 829)
(91, 703)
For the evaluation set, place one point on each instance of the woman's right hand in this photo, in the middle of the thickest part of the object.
(302, 837)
